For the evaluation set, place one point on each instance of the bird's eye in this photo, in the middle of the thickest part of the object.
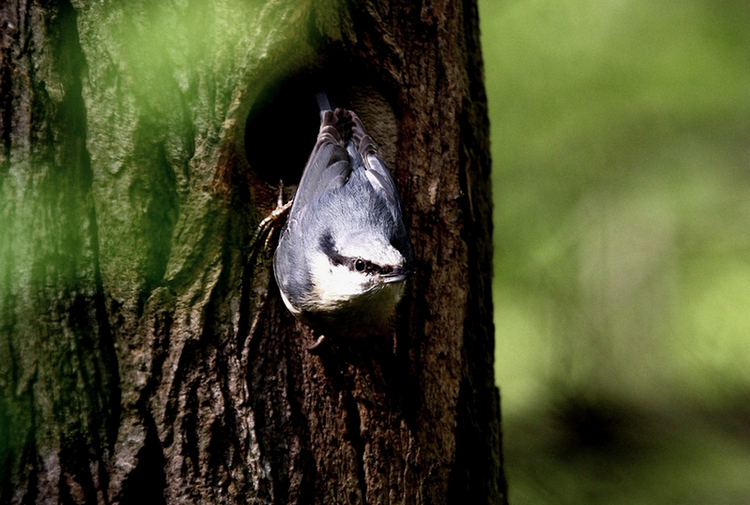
(359, 265)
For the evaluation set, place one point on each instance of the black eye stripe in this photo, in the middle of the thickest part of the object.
(336, 258)
(329, 248)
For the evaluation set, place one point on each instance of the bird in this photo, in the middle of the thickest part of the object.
(344, 257)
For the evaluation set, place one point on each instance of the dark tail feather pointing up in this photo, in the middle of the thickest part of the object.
(323, 103)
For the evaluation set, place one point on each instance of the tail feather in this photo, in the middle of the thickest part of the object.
(324, 104)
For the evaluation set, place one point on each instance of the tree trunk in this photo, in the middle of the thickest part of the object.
(145, 353)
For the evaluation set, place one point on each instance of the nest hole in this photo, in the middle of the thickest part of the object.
(283, 123)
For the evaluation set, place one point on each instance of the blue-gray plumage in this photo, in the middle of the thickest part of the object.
(344, 256)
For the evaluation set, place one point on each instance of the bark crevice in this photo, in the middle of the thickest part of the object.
(146, 483)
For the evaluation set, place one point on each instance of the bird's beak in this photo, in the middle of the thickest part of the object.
(398, 274)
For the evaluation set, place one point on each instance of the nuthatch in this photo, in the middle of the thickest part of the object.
(344, 257)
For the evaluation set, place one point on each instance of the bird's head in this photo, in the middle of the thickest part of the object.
(358, 269)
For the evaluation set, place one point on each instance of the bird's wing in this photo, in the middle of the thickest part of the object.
(377, 172)
(328, 166)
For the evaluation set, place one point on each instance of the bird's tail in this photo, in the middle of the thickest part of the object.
(324, 103)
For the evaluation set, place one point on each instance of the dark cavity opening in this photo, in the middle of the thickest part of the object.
(281, 130)
(283, 123)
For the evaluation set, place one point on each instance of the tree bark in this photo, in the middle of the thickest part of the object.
(145, 353)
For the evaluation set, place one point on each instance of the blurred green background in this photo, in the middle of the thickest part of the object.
(621, 165)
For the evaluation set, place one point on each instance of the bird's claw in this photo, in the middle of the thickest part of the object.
(269, 222)
(315, 345)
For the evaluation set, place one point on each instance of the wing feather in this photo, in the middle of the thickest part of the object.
(376, 171)
(328, 166)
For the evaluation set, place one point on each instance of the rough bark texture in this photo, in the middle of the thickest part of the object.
(145, 354)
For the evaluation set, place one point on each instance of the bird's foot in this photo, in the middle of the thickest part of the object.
(267, 225)
(315, 347)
